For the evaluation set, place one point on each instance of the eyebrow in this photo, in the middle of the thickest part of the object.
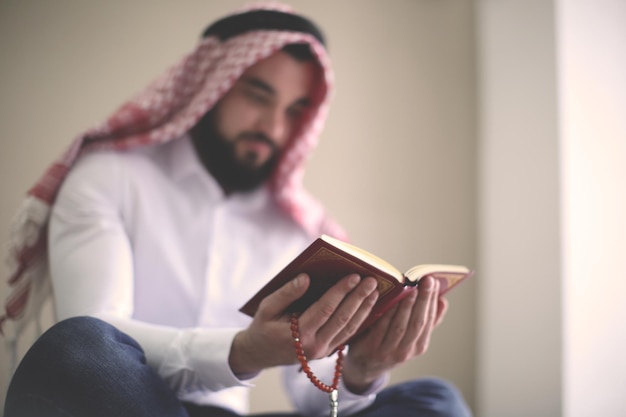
(260, 84)
(255, 82)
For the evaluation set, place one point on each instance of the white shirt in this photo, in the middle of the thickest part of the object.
(147, 241)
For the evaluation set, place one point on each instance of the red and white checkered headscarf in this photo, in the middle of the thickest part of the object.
(164, 111)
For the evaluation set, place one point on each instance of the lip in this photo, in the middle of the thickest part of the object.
(259, 148)
(258, 144)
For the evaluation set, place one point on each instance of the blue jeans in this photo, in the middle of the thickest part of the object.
(84, 367)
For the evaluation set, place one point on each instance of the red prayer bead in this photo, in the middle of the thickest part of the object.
(295, 333)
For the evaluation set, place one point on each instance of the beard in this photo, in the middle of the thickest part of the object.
(218, 155)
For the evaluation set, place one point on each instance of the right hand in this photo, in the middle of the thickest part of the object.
(325, 325)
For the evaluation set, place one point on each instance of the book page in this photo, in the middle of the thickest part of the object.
(366, 256)
(448, 275)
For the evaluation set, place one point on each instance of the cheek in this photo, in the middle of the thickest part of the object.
(234, 116)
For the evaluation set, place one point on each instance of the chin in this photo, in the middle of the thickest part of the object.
(252, 160)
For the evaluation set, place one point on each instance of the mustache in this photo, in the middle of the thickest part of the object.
(257, 137)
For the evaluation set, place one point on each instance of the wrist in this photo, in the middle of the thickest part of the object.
(242, 358)
(358, 378)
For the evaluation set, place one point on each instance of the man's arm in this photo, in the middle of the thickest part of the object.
(92, 270)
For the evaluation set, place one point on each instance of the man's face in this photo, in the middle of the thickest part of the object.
(241, 138)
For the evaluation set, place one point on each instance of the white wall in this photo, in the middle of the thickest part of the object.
(552, 229)
(396, 163)
(593, 125)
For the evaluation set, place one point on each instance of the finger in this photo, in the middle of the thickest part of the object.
(375, 335)
(423, 341)
(320, 311)
(442, 309)
(275, 304)
(357, 317)
(421, 310)
(397, 328)
(336, 308)
(434, 305)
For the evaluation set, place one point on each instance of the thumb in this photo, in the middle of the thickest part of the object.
(277, 302)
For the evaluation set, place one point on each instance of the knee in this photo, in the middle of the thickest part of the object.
(81, 327)
(438, 388)
(63, 349)
(75, 331)
(74, 339)
(439, 397)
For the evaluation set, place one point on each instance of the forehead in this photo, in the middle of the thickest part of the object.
(289, 78)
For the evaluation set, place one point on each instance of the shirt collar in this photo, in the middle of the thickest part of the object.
(182, 160)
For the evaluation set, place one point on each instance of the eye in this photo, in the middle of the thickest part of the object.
(295, 112)
(256, 96)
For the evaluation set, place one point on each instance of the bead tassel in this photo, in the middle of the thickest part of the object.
(295, 333)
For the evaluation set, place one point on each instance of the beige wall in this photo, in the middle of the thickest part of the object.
(396, 163)
(519, 316)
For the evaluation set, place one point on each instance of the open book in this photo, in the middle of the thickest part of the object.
(327, 260)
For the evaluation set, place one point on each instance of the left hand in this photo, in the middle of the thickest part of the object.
(402, 333)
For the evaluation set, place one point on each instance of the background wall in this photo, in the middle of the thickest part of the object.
(592, 57)
(396, 163)
(552, 158)
(519, 368)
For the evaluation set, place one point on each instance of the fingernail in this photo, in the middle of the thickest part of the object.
(371, 285)
(354, 280)
(297, 281)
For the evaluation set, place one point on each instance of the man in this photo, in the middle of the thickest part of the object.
(169, 216)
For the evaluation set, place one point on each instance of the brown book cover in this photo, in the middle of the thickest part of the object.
(327, 260)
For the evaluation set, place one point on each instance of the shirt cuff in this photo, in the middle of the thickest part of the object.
(374, 389)
(198, 360)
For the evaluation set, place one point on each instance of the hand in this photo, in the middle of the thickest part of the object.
(325, 325)
(400, 334)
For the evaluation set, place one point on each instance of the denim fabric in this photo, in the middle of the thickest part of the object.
(84, 367)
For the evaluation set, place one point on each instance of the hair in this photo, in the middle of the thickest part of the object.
(237, 24)
(299, 51)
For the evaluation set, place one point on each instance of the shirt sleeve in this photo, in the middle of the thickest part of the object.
(91, 267)
(311, 401)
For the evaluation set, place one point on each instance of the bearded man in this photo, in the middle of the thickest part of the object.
(157, 225)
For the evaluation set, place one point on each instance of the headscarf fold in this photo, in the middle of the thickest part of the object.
(164, 111)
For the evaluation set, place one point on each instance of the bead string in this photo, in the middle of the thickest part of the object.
(295, 333)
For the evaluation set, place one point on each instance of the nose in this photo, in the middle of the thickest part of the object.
(274, 125)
